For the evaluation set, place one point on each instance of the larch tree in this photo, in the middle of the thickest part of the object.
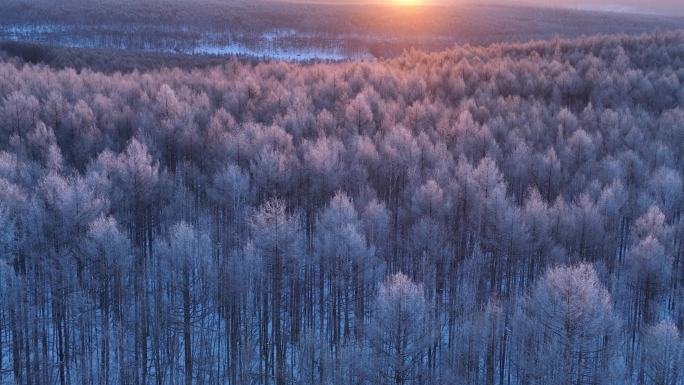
(276, 236)
(567, 330)
(663, 348)
(399, 334)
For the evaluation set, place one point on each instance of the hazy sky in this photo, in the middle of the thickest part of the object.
(660, 7)
(667, 7)
(663, 7)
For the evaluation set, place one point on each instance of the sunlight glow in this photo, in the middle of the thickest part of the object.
(407, 3)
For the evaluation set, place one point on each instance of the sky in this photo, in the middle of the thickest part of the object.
(658, 7)
(662, 7)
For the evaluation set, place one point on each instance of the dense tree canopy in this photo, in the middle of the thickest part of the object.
(501, 215)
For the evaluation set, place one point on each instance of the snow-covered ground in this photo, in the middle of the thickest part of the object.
(278, 44)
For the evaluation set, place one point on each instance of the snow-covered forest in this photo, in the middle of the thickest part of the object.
(297, 30)
(501, 216)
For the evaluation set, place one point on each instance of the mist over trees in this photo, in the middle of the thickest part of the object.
(501, 215)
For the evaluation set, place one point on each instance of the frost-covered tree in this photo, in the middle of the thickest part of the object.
(399, 334)
(663, 354)
(236, 223)
(277, 243)
(567, 330)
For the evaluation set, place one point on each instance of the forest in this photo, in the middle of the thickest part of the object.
(500, 215)
(298, 31)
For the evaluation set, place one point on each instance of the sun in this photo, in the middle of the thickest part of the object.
(407, 3)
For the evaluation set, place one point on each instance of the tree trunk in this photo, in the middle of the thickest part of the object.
(187, 341)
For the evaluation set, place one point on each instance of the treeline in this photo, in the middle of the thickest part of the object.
(106, 60)
(503, 215)
(352, 28)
